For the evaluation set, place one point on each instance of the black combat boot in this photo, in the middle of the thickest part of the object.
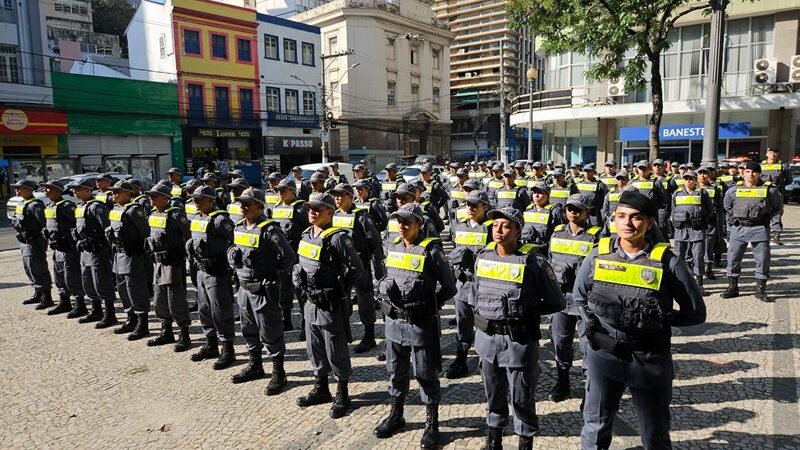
(710, 271)
(165, 337)
(227, 357)
(184, 341)
(142, 327)
(35, 298)
(109, 316)
(253, 371)
(526, 443)
(494, 439)
(287, 321)
(129, 324)
(761, 291)
(46, 300)
(430, 438)
(319, 394)
(342, 400)
(733, 288)
(95, 314)
(62, 307)
(207, 351)
(458, 368)
(560, 391)
(381, 356)
(79, 309)
(699, 279)
(278, 381)
(368, 341)
(394, 422)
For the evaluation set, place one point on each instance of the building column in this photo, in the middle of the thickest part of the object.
(606, 134)
(779, 133)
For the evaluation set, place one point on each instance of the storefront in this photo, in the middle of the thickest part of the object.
(294, 150)
(221, 149)
(684, 142)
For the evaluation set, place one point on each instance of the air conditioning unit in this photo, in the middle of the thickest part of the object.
(794, 69)
(616, 87)
(468, 75)
(765, 71)
(462, 51)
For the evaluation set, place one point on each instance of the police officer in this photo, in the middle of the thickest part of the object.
(317, 181)
(538, 175)
(362, 173)
(469, 236)
(575, 176)
(752, 206)
(730, 177)
(293, 219)
(335, 176)
(691, 210)
(715, 222)
(302, 186)
(541, 217)
(611, 200)
(212, 234)
(430, 211)
(570, 244)
(103, 183)
(91, 220)
(328, 267)
(222, 199)
(190, 207)
(374, 206)
(433, 190)
(457, 195)
(388, 186)
(174, 176)
(514, 286)
(30, 224)
(236, 186)
(127, 232)
(653, 187)
(772, 169)
(139, 196)
(609, 174)
(494, 181)
(367, 242)
(629, 285)
(60, 217)
(271, 195)
(511, 195)
(596, 189)
(560, 190)
(259, 255)
(411, 304)
(169, 230)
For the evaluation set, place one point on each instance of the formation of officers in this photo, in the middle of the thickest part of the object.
(589, 251)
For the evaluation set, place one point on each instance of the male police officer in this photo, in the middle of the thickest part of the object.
(691, 210)
(169, 230)
(222, 199)
(292, 218)
(259, 255)
(174, 178)
(30, 223)
(388, 186)
(715, 223)
(514, 286)
(569, 245)
(411, 304)
(560, 189)
(629, 285)
(511, 195)
(374, 206)
(541, 217)
(596, 189)
(103, 183)
(60, 216)
(91, 220)
(127, 232)
(236, 186)
(327, 268)
(212, 234)
(752, 206)
(434, 191)
(302, 186)
(772, 169)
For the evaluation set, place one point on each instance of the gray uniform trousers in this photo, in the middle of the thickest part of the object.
(711, 242)
(67, 273)
(326, 343)
(503, 383)
(169, 294)
(261, 327)
(465, 316)
(758, 237)
(286, 289)
(34, 261)
(215, 306)
(132, 284)
(96, 276)
(403, 358)
(365, 295)
(563, 325)
(693, 253)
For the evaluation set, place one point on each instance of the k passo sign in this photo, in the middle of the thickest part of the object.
(685, 132)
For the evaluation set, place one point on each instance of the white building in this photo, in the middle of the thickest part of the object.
(286, 9)
(290, 71)
(151, 48)
(392, 94)
(25, 71)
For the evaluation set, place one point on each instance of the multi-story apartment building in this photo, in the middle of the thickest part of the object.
(70, 32)
(586, 120)
(391, 94)
(481, 28)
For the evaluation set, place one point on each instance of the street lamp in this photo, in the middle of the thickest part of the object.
(326, 143)
(532, 74)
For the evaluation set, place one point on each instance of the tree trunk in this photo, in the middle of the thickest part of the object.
(657, 94)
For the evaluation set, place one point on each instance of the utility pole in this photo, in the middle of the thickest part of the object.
(713, 91)
(477, 129)
(325, 120)
(503, 150)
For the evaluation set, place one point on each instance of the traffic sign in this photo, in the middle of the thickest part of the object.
(324, 136)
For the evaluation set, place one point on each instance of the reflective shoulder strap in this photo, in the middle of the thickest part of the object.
(171, 208)
(296, 202)
(488, 223)
(241, 221)
(329, 232)
(593, 230)
(549, 206)
(739, 183)
(559, 227)
(491, 246)
(263, 224)
(604, 246)
(768, 183)
(214, 213)
(657, 254)
(427, 241)
(425, 203)
(525, 249)
(397, 239)
(60, 202)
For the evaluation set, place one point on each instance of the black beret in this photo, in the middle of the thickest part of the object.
(752, 165)
(639, 202)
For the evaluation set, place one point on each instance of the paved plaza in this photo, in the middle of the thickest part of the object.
(66, 385)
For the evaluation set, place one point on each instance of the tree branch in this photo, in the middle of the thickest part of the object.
(608, 8)
(687, 11)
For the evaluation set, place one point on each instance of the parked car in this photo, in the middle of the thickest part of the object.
(411, 173)
(344, 168)
(792, 190)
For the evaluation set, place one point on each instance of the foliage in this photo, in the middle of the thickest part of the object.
(112, 17)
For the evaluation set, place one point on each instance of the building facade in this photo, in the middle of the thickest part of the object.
(290, 75)
(390, 94)
(586, 120)
(70, 32)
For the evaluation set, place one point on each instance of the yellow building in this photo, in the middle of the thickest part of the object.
(218, 82)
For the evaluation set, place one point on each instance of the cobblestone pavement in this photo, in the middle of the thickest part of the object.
(66, 385)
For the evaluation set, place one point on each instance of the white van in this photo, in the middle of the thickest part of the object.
(345, 169)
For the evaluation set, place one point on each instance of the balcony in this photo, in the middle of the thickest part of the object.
(211, 120)
(279, 119)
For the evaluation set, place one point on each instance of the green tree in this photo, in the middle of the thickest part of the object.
(112, 17)
(608, 31)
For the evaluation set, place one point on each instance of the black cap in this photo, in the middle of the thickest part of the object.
(105, 176)
(124, 186)
(342, 189)
(639, 202)
(83, 183)
(175, 170)
(25, 184)
(320, 200)
(204, 192)
(274, 176)
(251, 194)
(286, 184)
(509, 213)
(160, 189)
(752, 165)
(55, 184)
(409, 211)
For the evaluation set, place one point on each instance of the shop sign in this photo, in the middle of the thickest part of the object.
(276, 119)
(32, 121)
(293, 145)
(223, 133)
(685, 132)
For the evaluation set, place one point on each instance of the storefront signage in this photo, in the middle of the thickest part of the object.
(685, 132)
(275, 119)
(32, 121)
(293, 145)
(222, 133)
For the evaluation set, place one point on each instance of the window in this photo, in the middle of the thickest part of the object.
(105, 50)
(222, 103)
(219, 46)
(290, 50)
(82, 10)
(332, 91)
(415, 95)
(9, 68)
(414, 54)
(309, 103)
(435, 56)
(308, 54)
(291, 101)
(246, 104)
(270, 46)
(59, 7)
(243, 52)
(195, 94)
(76, 9)
(191, 42)
(88, 48)
(333, 44)
(391, 92)
(390, 47)
(435, 96)
(162, 45)
(273, 99)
